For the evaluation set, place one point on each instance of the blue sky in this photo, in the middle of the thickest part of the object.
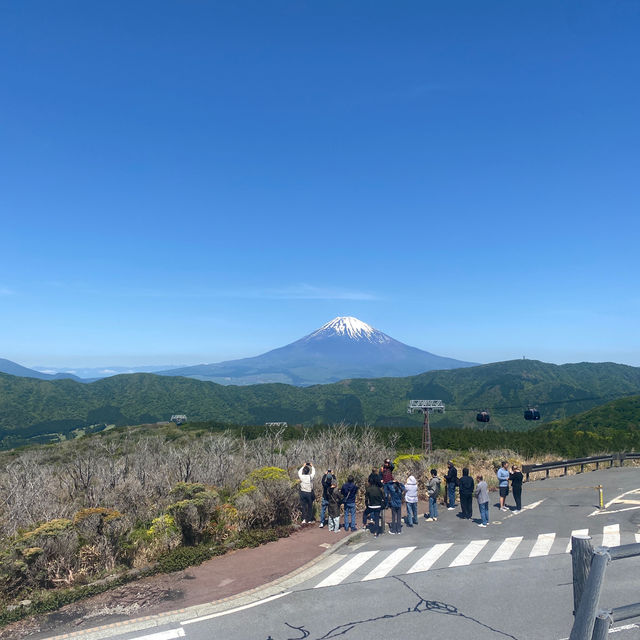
(194, 181)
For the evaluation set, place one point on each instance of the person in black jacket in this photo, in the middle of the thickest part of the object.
(465, 486)
(516, 487)
(327, 479)
(374, 500)
(375, 477)
(452, 482)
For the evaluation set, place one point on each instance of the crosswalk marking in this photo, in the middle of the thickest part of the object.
(611, 535)
(576, 532)
(384, 562)
(388, 563)
(506, 549)
(543, 545)
(430, 557)
(467, 555)
(345, 570)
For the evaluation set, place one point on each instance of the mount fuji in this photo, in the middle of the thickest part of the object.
(343, 348)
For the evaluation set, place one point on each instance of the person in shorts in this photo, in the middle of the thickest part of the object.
(503, 484)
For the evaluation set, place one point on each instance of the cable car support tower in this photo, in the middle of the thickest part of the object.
(426, 407)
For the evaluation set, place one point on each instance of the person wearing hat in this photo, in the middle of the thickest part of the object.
(327, 479)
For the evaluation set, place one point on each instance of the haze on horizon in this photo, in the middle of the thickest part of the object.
(190, 183)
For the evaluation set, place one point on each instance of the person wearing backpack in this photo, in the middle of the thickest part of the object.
(433, 491)
(396, 491)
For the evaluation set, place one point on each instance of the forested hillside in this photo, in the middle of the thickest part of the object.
(30, 407)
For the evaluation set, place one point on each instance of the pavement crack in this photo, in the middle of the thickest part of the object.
(422, 605)
(301, 629)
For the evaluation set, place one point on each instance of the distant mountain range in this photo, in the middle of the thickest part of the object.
(14, 369)
(40, 410)
(343, 348)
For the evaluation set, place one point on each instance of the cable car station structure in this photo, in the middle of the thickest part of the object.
(426, 407)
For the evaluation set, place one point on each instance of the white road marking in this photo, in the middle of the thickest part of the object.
(533, 505)
(576, 532)
(467, 555)
(611, 535)
(616, 499)
(429, 558)
(637, 537)
(345, 570)
(543, 545)
(171, 634)
(229, 611)
(388, 563)
(624, 627)
(506, 549)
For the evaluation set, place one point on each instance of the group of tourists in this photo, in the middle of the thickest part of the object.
(383, 491)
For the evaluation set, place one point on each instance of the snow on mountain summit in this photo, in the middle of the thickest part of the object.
(352, 328)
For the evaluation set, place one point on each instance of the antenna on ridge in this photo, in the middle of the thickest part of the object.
(426, 407)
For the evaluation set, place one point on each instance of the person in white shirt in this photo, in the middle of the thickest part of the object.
(306, 473)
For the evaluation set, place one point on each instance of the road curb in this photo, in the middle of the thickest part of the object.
(197, 610)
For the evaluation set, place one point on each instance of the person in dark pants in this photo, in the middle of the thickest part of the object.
(327, 479)
(465, 486)
(396, 491)
(516, 486)
(306, 473)
(349, 490)
(374, 501)
(452, 482)
(386, 472)
(374, 478)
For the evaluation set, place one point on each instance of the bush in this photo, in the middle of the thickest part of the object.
(195, 512)
(267, 497)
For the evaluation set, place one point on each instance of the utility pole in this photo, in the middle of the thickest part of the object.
(426, 407)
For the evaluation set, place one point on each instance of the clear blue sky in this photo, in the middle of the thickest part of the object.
(193, 181)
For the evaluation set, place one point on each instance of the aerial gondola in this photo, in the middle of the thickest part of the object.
(483, 416)
(531, 414)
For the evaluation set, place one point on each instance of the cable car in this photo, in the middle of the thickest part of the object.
(483, 416)
(531, 414)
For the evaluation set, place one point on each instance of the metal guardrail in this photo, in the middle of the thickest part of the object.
(589, 568)
(611, 458)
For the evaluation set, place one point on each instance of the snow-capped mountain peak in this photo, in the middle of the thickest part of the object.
(352, 328)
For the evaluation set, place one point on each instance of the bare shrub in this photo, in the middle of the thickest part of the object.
(267, 497)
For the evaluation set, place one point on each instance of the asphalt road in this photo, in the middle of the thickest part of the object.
(449, 579)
